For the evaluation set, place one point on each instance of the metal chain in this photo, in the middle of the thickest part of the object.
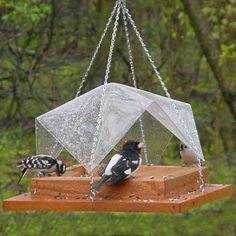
(133, 76)
(193, 145)
(202, 183)
(102, 101)
(128, 45)
(147, 53)
(96, 51)
(113, 39)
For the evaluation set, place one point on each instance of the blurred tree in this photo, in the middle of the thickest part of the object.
(46, 46)
(211, 49)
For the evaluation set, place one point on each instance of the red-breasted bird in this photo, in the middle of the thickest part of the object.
(121, 166)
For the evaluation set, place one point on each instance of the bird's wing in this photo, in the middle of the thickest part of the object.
(106, 175)
(119, 171)
(112, 162)
(122, 169)
(121, 166)
(40, 162)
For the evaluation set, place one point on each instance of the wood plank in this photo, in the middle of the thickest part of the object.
(75, 170)
(79, 187)
(212, 193)
(185, 202)
(184, 182)
(150, 182)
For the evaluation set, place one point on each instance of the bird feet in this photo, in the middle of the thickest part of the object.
(41, 174)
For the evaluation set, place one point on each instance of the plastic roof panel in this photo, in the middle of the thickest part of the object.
(72, 125)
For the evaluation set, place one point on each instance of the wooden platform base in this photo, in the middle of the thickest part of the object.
(24, 202)
(153, 189)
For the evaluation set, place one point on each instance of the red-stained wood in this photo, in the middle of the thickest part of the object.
(183, 203)
(150, 182)
(154, 189)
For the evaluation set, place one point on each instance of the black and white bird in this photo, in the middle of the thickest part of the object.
(188, 156)
(121, 166)
(42, 164)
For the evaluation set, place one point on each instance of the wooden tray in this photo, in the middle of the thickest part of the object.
(149, 182)
(154, 189)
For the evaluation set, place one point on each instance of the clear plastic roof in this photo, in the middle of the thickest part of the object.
(72, 125)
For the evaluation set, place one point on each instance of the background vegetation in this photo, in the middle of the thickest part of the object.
(45, 46)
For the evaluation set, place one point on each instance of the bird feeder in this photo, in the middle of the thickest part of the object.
(153, 188)
(92, 124)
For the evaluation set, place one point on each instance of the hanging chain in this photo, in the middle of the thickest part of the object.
(102, 101)
(129, 47)
(96, 51)
(192, 143)
(113, 39)
(147, 53)
(133, 76)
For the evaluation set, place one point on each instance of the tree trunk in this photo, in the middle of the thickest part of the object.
(211, 50)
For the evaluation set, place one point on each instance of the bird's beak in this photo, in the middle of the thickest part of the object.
(140, 145)
(181, 147)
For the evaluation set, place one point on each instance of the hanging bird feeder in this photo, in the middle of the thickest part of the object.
(91, 125)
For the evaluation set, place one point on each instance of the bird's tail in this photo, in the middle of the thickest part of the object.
(98, 185)
(22, 175)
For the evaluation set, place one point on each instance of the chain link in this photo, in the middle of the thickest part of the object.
(129, 47)
(96, 51)
(99, 119)
(186, 131)
(133, 77)
(147, 53)
(113, 39)
(102, 101)
(193, 145)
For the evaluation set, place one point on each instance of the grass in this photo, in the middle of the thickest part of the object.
(215, 219)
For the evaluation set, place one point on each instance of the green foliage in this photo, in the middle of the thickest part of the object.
(228, 52)
(25, 13)
(13, 147)
(44, 50)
